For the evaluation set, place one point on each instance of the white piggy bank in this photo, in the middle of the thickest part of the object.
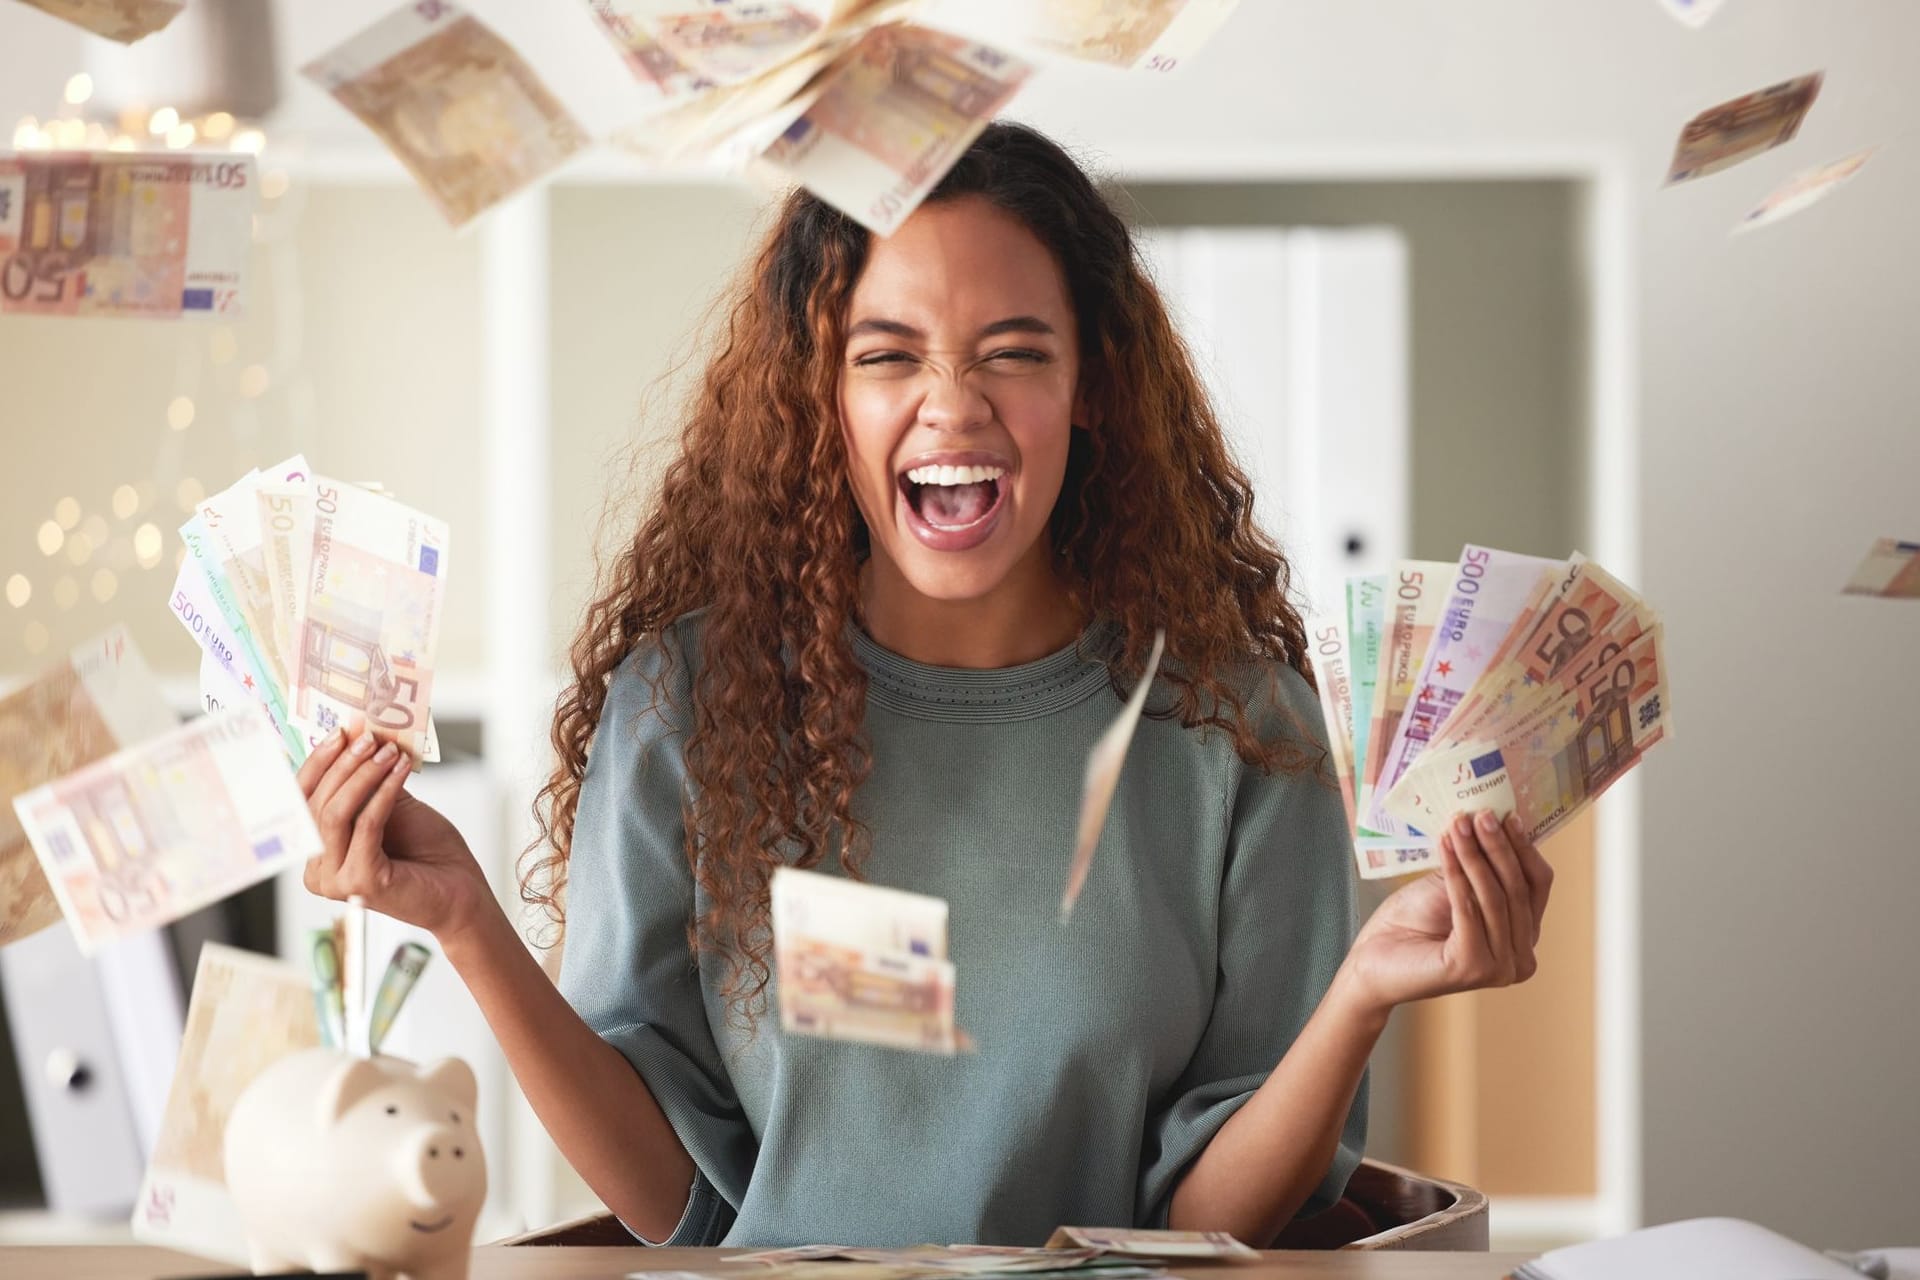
(340, 1163)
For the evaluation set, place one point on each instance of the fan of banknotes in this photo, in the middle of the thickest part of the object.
(318, 599)
(1504, 682)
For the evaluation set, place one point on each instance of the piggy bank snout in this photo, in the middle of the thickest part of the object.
(439, 1168)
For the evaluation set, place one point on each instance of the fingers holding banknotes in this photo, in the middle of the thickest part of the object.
(383, 845)
(1473, 925)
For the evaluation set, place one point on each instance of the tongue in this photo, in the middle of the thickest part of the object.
(955, 504)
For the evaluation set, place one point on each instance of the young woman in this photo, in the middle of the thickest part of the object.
(932, 500)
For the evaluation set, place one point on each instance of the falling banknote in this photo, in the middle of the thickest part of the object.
(889, 117)
(1142, 35)
(163, 828)
(1891, 569)
(1104, 763)
(124, 234)
(1692, 13)
(122, 20)
(863, 963)
(100, 699)
(454, 103)
(246, 1013)
(1804, 190)
(1723, 136)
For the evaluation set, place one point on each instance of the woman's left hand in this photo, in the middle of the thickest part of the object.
(1472, 925)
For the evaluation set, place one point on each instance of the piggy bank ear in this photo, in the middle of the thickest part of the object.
(455, 1079)
(349, 1082)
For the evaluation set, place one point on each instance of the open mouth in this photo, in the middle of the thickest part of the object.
(441, 1225)
(953, 507)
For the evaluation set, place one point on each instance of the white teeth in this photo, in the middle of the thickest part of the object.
(955, 475)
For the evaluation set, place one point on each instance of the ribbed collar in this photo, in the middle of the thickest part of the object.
(997, 694)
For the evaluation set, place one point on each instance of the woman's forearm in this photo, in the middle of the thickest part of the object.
(594, 1104)
(1267, 1159)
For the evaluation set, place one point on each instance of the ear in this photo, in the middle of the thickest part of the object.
(455, 1079)
(351, 1081)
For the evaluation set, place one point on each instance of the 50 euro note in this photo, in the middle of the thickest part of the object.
(374, 591)
(1549, 767)
(246, 1012)
(882, 124)
(682, 47)
(96, 701)
(165, 827)
(150, 236)
(123, 20)
(863, 963)
(1102, 778)
(1416, 594)
(458, 107)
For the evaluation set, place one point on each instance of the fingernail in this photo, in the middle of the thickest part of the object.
(1489, 823)
(385, 753)
(363, 744)
(1464, 825)
(403, 764)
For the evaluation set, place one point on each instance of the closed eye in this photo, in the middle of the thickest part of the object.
(1020, 355)
(881, 357)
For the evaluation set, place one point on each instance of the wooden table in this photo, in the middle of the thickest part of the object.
(128, 1262)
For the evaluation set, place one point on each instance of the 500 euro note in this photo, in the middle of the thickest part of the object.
(124, 234)
(374, 593)
(862, 963)
(157, 830)
(98, 700)
(465, 114)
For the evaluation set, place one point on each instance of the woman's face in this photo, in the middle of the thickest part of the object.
(957, 396)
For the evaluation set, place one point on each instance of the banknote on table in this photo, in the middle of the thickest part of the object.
(1804, 190)
(886, 120)
(128, 234)
(1723, 136)
(1155, 1244)
(374, 592)
(96, 701)
(122, 20)
(246, 1012)
(465, 114)
(1891, 569)
(1693, 13)
(939, 1260)
(863, 963)
(167, 826)
(1104, 762)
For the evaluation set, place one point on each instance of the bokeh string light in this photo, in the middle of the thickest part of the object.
(264, 401)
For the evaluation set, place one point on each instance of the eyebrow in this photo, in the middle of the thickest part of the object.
(900, 329)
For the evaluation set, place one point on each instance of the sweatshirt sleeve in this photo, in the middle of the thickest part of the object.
(1286, 920)
(627, 967)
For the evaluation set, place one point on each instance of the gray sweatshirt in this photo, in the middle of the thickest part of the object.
(1110, 1049)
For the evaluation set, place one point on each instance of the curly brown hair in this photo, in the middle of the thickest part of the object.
(755, 523)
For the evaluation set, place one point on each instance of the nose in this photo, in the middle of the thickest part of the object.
(953, 403)
(438, 1167)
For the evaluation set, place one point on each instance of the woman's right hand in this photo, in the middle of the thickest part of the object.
(397, 853)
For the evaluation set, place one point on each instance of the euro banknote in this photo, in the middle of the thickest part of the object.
(458, 107)
(1102, 777)
(1139, 35)
(125, 234)
(887, 119)
(1723, 136)
(1804, 190)
(862, 963)
(123, 20)
(97, 700)
(166, 826)
(1891, 569)
(245, 1013)
(1137, 1242)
